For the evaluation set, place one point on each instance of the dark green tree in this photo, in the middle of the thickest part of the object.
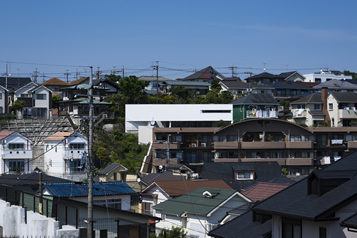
(353, 74)
(55, 100)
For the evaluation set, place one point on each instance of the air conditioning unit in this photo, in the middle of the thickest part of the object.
(193, 145)
(203, 145)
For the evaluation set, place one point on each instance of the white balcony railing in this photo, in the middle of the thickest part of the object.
(74, 154)
(17, 154)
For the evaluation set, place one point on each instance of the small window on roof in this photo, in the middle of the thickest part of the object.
(244, 175)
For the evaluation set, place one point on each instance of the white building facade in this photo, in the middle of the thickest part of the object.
(324, 76)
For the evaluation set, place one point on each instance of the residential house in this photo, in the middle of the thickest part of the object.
(13, 83)
(55, 84)
(321, 205)
(16, 153)
(38, 100)
(76, 103)
(243, 175)
(110, 86)
(235, 87)
(199, 211)
(164, 85)
(297, 149)
(288, 91)
(163, 176)
(255, 106)
(308, 110)
(335, 85)
(113, 172)
(342, 108)
(65, 155)
(263, 190)
(325, 75)
(268, 78)
(205, 75)
(161, 191)
(109, 194)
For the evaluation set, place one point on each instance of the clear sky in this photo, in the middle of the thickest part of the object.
(55, 36)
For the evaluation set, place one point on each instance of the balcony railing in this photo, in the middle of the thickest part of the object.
(299, 144)
(226, 145)
(261, 114)
(299, 113)
(263, 145)
(74, 153)
(17, 154)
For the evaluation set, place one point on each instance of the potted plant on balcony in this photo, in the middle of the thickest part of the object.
(353, 123)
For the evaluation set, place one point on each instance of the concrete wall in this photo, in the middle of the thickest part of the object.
(12, 220)
(145, 134)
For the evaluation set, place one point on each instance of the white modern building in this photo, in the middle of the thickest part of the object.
(65, 155)
(16, 153)
(323, 76)
(176, 115)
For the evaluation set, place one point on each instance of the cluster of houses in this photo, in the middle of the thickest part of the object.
(212, 170)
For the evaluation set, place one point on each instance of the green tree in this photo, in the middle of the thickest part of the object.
(226, 97)
(353, 74)
(55, 100)
(215, 85)
(182, 94)
(18, 105)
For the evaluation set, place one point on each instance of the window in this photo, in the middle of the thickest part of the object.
(77, 146)
(317, 106)
(40, 96)
(17, 146)
(1, 110)
(322, 232)
(317, 80)
(147, 208)
(25, 95)
(177, 138)
(112, 203)
(216, 111)
(115, 176)
(17, 166)
(0, 95)
(330, 106)
(291, 228)
(244, 175)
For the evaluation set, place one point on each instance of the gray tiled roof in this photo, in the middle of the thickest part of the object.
(206, 73)
(336, 84)
(167, 175)
(345, 97)
(312, 98)
(110, 168)
(295, 201)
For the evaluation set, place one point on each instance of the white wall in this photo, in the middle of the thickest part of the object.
(142, 114)
(13, 223)
(145, 134)
(323, 76)
(125, 200)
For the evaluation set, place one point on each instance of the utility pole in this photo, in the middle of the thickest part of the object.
(232, 68)
(77, 73)
(90, 157)
(113, 71)
(43, 77)
(40, 191)
(123, 71)
(250, 79)
(156, 67)
(35, 75)
(6, 74)
(67, 74)
(98, 73)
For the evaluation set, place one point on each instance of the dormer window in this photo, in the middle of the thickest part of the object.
(244, 175)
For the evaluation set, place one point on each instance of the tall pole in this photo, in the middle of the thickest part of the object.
(156, 67)
(67, 74)
(90, 157)
(6, 77)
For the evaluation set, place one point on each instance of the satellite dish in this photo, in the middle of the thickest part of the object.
(152, 122)
(138, 180)
(160, 167)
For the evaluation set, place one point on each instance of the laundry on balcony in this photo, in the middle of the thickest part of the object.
(354, 109)
(272, 113)
(347, 108)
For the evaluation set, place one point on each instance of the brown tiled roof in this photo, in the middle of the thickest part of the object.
(263, 190)
(78, 81)
(55, 82)
(5, 133)
(59, 136)
(175, 188)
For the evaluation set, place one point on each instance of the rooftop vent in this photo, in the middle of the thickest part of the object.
(207, 194)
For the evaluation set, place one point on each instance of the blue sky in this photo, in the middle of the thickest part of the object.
(55, 36)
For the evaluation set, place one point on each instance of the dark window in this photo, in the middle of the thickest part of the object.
(322, 232)
(291, 228)
(216, 111)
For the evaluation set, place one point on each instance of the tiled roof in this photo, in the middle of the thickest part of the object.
(243, 226)
(28, 179)
(289, 85)
(180, 187)
(350, 222)
(5, 133)
(79, 81)
(265, 75)
(59, 136)
(312, 98)
(256, 98)
(110, 168)
(14, 82)
(206, 73)
(81, 190)
(336, 84)
(344, 97)
(55, 82)
(202, 205)
(264, 172)
(235, 84)
(263, 190)
(167, 175)
(295, 201)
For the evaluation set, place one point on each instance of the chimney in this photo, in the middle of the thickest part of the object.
(324, 94)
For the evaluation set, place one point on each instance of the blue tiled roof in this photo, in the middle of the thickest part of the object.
(81, 190)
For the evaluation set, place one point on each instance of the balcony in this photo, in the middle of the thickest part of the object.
(162, 145)
(350, 114)
(225, 145)
(262, 114)
(300, 161)
(74, 154)
(17, 154)
(299, 144)
(263, 145)
(352, 144)
(299, 113)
